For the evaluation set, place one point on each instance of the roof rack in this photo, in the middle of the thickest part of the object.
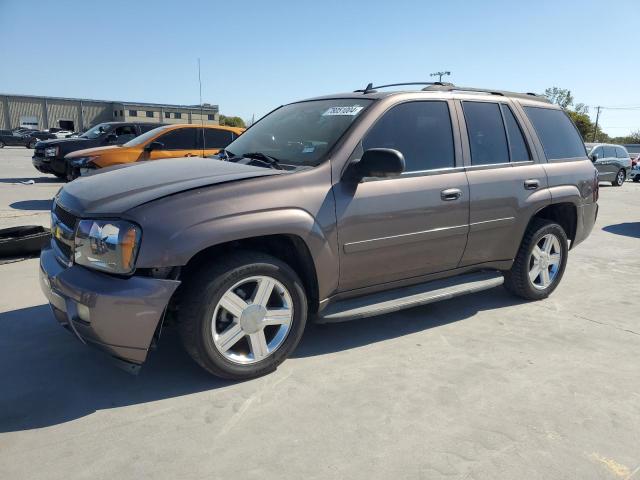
(450, 87)
(371, 89)
(502, 93)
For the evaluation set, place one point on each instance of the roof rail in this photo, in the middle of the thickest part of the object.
(371, 89)
(503, 93)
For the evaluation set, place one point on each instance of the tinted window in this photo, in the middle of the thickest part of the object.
(621, 152)
(420, 130)
(177, 115)
(517, 144)
(214, 138)
(559, 137)
(181, 139)
(485, 129)
(133, 113)
(598, 152)
(609, 151)
(149, 114)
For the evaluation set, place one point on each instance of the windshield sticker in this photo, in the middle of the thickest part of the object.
(350, 111)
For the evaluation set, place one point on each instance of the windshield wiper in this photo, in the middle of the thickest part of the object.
(268, 159)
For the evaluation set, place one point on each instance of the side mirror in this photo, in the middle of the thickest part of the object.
(594, 157)
(378, 162)
(154, 146)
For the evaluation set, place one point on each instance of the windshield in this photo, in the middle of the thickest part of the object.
(300, 133)
(96, 131)
(144, 138)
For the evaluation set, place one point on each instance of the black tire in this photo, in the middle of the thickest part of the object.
(517, 279)
(32, 144)
(71, 173)
(202, 290)
(621, 176)
(636, 179)
(1, 144)
(61, 176)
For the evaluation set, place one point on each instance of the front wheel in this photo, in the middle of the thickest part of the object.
(620, 178)
(32, 144)
(243, 315)
(540, 262)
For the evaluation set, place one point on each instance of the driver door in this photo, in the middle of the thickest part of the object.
(415, 224)
(181, 142)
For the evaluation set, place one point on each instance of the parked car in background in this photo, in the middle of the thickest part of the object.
(634, 154)
(63, 133)
(182, 140)
(611, 161)
(334, 208)
(23, 138)
(49, 155)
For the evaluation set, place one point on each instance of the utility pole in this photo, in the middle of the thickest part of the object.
(440, 75)
(595, 128)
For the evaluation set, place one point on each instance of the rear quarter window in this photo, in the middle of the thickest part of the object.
(559, 137)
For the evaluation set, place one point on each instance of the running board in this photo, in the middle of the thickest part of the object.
(407, 297)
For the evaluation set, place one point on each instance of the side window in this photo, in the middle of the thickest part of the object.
(487, 138)
(517, 145)
(214, 138)
(420, 130)
(598, 152)
(559, 137)
(125, 133)
(181, 139)
(621, 152)
(609, 152)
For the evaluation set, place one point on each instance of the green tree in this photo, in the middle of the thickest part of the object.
(559, 96)
(232, 121)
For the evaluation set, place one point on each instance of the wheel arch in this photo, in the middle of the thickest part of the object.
(563, 213)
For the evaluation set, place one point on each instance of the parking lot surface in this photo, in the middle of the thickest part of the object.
(479, 387)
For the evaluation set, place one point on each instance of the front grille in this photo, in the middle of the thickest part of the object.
(68, 219)
(64, 248)
(64, 232)
(39, 152)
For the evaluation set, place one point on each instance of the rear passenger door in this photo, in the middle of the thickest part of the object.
(415, 224)
(213, 140)
(505, 184)
(181, 142)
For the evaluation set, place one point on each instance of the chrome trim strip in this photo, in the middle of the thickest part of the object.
(364, 245)
(488, 224)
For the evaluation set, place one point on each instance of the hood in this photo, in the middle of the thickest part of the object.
(121, 189)
(88, 152)
(62, 141)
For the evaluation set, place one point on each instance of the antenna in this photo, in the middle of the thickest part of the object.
(204, 146)
(440, 75)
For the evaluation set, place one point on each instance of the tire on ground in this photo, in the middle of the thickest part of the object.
(202, 290)
(517, 279)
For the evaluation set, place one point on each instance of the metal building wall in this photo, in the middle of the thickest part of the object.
(24, 106)
(95, 112)
(2, 115)
(62, 110)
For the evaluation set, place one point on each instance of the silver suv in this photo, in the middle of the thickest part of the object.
(611, 161)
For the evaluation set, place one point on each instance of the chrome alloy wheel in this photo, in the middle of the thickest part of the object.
(620, 178)
(252, 319)
(545, 261)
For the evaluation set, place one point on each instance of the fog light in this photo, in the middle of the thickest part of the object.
(83, 313)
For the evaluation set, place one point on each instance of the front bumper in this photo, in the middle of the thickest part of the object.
(119, 315)
(42, 164)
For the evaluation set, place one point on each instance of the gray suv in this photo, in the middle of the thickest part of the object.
(612, 162)
(329, 209)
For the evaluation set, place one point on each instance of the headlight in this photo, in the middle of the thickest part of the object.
(82, 162)
(50, 151)
(107, 245)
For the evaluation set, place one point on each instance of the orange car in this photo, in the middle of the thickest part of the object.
(168, 141)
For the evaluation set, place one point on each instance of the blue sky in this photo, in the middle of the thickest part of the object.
(257, 55)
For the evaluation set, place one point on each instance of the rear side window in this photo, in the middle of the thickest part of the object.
(181, 139)
(609, 152)
(487, 138)
(517, 145)
(421, 131)
(214, 138)
(622, 153)
(559, 137)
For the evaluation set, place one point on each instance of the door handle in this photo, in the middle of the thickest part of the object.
(531, 184)
(450, 194)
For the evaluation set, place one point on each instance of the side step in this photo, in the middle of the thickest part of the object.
(407, 297)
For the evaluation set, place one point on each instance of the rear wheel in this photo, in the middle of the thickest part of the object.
(540, 262)
(243, 315)
(620, 178)
(636, 179)
(1, 144)
(32, 144)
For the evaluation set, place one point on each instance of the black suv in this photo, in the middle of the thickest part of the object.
(49, 155)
